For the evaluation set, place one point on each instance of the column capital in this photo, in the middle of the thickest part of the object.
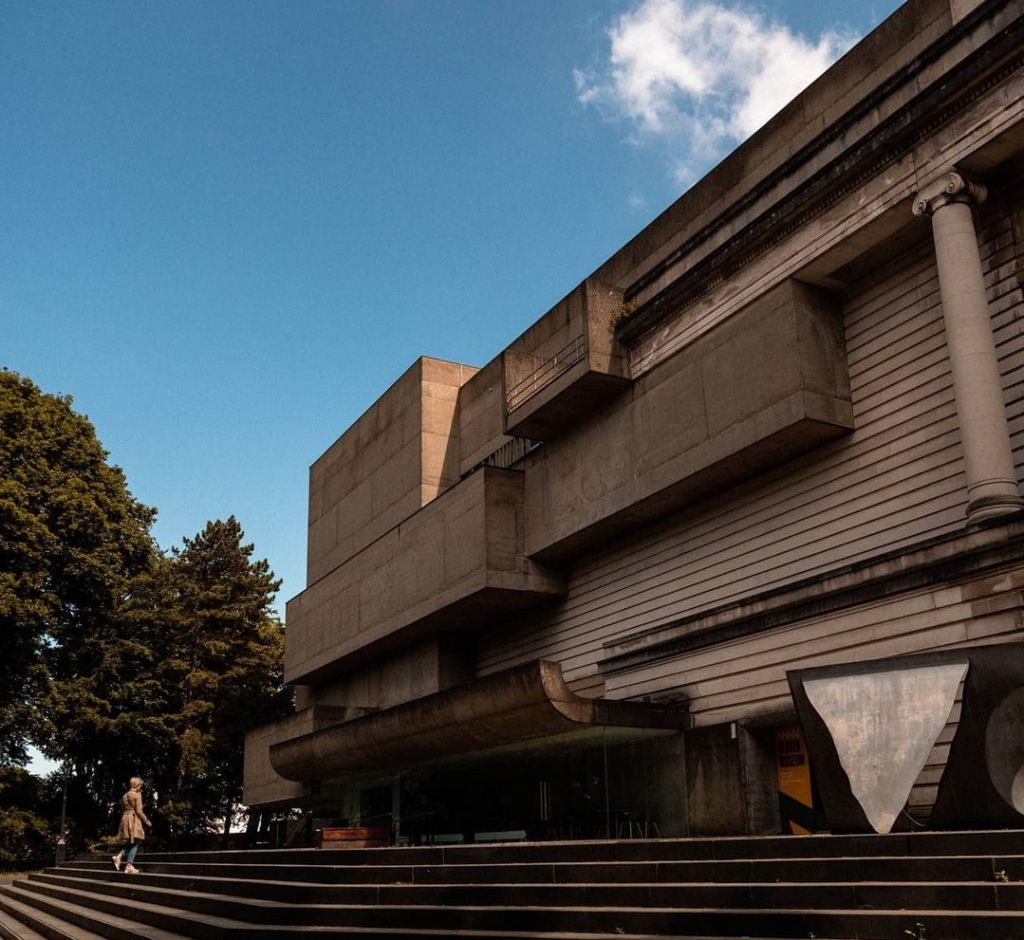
(951, 187)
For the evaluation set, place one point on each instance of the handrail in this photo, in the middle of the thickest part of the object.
(510, 452)
(505, 456)
(546, 373)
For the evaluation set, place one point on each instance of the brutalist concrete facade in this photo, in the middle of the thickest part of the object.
(781, 428)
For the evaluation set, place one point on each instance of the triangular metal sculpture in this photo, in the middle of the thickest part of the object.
(884, 725)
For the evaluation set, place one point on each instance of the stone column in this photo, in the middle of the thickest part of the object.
(991, 478)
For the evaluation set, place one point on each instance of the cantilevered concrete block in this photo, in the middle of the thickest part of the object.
(566, 365)
(519, 704)
(453, 565)
(262, 785)
(398, 456)
(758, 389)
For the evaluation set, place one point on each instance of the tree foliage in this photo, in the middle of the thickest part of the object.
(24, 832)
(224, 662)
(115, 659)
(71, 537)
(192, 660)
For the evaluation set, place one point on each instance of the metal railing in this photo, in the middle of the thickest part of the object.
(506, 456)
(510, 452)
(546, 373)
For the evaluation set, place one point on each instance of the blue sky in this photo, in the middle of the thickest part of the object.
(227, 227)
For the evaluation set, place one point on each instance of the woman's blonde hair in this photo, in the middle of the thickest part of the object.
(135, 783)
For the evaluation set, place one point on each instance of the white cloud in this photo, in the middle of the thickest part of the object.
(701, 76)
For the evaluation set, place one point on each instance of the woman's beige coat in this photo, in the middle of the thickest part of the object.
(132, 817)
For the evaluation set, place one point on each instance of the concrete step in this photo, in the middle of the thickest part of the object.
(70, 922)
(107, 924)
(909, 869)
(121, 919)
(13, 929)
(960, 895)
(525, 918)
(959, 886)
(988, 842)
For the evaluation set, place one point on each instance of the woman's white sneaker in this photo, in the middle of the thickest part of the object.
(130, 870)
(116, 859)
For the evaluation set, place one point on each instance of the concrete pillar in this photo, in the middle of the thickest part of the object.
(991, 478)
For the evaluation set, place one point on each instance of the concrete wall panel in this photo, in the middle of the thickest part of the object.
(733, 403)
(481, 416)
(465, 545)
(397, 457)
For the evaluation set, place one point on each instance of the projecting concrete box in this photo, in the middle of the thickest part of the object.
(566, 365)
(759, 388)
(397, 457)
(447, 567)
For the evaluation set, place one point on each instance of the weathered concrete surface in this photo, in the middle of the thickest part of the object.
(520, 704)
(960, 8)
(545, 389)
(397, 457)
(261, 785)
(443, 568)
(883, 725)
(420, 669)
(481, 416)
(864, 160)
(746, 183)
(768, 383)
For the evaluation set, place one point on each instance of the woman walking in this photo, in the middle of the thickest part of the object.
(132, 822)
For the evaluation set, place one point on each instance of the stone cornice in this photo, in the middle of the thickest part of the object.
(975, 75)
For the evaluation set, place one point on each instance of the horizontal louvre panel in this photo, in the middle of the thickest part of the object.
(896, 480)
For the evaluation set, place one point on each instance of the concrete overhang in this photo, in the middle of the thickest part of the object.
(456, 563)
(515, 706)
(759, 389)
(566, 366)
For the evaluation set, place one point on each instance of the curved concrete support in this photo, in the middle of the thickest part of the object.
(988, 460)
(517, 705)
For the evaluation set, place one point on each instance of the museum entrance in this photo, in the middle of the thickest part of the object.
(596, 788)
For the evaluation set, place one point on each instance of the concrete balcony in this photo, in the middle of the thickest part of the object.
(452, 565)
(752, 393)
(565, 366)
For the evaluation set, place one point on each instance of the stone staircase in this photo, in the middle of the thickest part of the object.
(935, 886)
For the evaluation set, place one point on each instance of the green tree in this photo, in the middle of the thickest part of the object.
(224, 662)
(72, 537)
(117, 660)
(24, 833)
(167, 687)
(109, 715)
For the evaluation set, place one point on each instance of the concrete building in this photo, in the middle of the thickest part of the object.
(557, 596)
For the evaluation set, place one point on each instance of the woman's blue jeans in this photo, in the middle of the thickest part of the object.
(128, 852)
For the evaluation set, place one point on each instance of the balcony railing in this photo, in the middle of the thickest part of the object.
(504, 457)
(546, 373)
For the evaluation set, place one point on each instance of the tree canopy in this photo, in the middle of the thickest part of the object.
(71, 538)
(223, 665)
(23, 831)
(117, 659)
(167, 688)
